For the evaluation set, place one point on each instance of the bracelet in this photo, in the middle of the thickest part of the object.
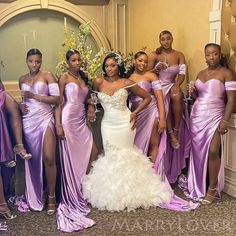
(225, 121)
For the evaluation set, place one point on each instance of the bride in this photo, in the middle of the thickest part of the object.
(122, 178)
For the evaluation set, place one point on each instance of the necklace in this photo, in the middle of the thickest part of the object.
(31, 78)
(111, 80)
(72, 74)
(212, 72)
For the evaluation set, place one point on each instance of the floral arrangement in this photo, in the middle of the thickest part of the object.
(91, 64)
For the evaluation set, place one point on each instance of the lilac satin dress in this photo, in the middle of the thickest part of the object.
(144, 125)
(145, 121)
(175, 159)
(35, 124)
(6, 153)
(206, 115)
(75, 153)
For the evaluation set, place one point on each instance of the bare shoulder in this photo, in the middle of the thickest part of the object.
(152, 55)
(63, 78)
(48, 76)
(151, 75)
(23, 78)
(229, 75)
(127, 82)
(98, 81)
(180, 55)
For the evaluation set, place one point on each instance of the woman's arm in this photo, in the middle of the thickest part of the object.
(144, 95)
(231, 94)
(59, 128)
(157, 91)
(51, 99)
(152, 58)
(182, 70)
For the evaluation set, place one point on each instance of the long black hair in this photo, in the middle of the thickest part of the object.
(71, 52)
(118, 59)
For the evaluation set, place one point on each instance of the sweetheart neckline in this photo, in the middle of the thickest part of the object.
(210, 80)
(114, 92)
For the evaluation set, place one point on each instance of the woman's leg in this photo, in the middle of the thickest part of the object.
(16, 125)
(49, 158)
(173, 138)
(177, 109)
(154, 142)
(93, 156)
(4, 210)
(214, 163)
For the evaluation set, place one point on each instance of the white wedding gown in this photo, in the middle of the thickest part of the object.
(122, 178)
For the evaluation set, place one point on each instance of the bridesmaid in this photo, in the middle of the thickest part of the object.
(209, 123)
(150, 125)
(76, 145)
(39, 91)
(171, 68)
(151, 121)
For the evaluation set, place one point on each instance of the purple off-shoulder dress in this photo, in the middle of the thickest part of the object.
(75, 153)
(144, 125)
(175, 159)
(145, 121)
(35, 124)
(6, 153)
(206, 115)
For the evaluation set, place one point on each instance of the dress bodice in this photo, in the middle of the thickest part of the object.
(74, 94)
(38, 87)
(211, 90)
(168, 75)
(115, 101)
(146, 85)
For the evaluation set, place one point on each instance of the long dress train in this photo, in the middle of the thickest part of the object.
(144, 124)
(207, 112)
(122, 178)
(75, 153)
(35, 124)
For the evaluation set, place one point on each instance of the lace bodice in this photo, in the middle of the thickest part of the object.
(116, 100)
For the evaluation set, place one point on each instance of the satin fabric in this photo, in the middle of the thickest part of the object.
(207, 112)
(144, 124)
(75, 153)
(6, 153)
(175, 159)
(122, 178)
(35, 123)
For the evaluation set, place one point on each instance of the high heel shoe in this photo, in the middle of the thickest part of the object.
(51, 211)
(21, 152)
(7, 214)
(209, 198)
(173, 140)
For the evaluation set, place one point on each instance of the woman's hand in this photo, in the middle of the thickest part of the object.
(91, 115)
(60, 132)
(28, 94)
(23, 108)
(223, 128)
(162, 126)
(133, 120)
(160, 66)
(175, 90)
